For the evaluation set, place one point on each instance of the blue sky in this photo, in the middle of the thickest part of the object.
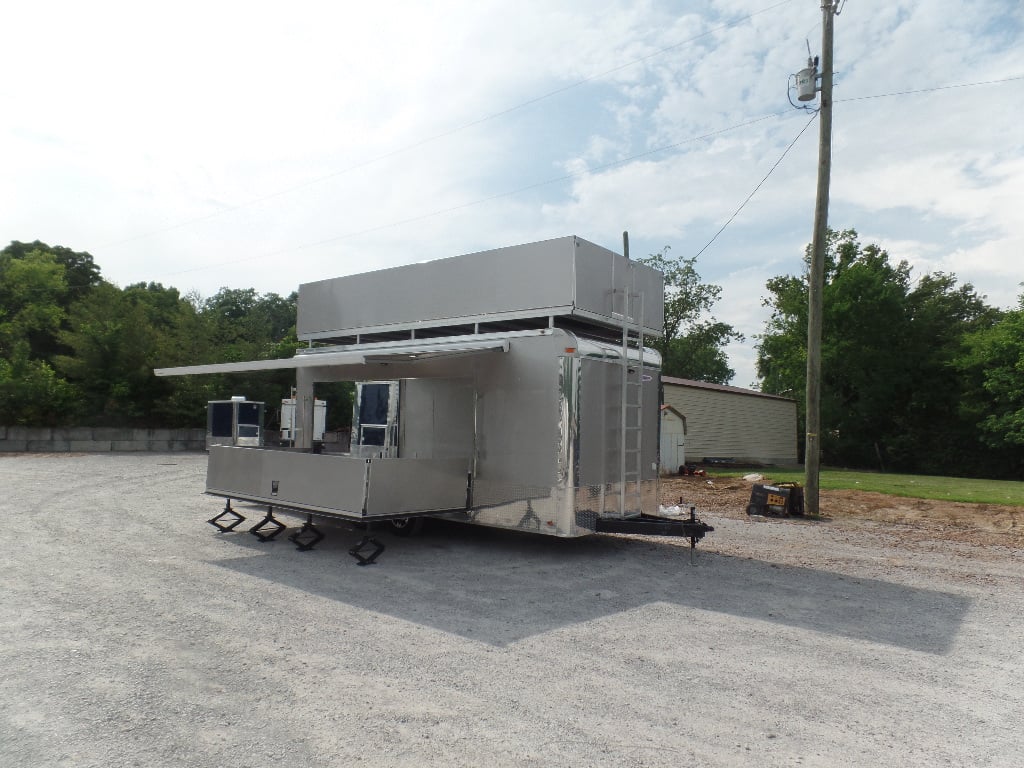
(257, 145)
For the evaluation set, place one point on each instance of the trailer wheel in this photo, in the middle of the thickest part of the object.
(406, 526)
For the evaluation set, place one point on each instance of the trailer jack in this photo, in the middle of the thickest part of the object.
(357, 550)
(268, 521)
(220, 526)
(307, 537)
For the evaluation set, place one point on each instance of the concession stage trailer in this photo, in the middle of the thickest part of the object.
(508, 388)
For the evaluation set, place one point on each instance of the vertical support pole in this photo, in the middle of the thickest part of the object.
(304, 409)
(816, 278)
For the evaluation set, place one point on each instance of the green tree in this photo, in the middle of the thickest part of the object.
(112, 347)
(32, 394)
(890, 394)
(178, 336)
(245, 325)
(693, 346)
(32, 289)
(932, 432)
(993, 359)
(81, 272)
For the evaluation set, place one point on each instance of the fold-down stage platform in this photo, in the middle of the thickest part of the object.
(343, 486)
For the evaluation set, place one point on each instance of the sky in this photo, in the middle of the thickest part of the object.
(259, 145)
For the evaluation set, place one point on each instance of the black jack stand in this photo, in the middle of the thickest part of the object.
(269, 521)
(226, 528)
(357, 550)
(307, 537)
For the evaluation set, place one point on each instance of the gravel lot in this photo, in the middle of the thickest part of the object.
(133, 634)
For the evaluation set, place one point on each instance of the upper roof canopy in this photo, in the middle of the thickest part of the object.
(563, 277)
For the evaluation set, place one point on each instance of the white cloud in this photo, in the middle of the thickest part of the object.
(261, 145)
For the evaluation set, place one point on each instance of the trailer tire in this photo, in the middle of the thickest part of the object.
(406, 526)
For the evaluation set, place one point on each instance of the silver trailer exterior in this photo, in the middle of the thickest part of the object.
(519, 393)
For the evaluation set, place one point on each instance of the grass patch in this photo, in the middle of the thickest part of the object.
(1006, 492)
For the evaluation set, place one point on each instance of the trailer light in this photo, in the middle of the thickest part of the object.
(570, 350)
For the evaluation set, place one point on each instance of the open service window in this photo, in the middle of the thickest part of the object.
(414, 418)
(375, 419)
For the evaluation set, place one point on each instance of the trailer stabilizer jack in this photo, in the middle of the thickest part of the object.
(357, 551)
(307, 537)
(271, 522)
(222, 527)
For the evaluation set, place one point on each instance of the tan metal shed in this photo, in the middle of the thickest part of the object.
(733, 423)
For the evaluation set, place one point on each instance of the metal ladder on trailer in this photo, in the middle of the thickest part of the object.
(631, 407)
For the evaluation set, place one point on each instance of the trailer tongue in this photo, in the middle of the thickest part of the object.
(510, 388)
(652, 525)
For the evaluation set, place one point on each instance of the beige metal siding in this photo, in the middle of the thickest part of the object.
(730, 423)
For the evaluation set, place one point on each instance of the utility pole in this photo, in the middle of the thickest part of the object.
(816, 281)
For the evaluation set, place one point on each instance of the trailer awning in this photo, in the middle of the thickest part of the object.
(399, 353)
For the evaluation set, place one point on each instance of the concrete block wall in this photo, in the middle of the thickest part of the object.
(98, 439)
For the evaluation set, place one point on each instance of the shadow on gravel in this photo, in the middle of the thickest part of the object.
(499, 587)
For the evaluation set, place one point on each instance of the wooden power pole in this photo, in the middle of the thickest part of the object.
(816, 282)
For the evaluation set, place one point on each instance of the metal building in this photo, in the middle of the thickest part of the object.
(725, 422)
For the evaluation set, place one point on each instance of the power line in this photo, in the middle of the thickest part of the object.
(444, 134)
(759, 185)
(930, 90)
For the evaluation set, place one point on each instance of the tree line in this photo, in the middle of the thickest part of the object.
(918, 375)
(77, 350)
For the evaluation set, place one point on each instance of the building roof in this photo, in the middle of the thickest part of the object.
(721, 388)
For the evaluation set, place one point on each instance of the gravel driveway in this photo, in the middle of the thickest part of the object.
(133, 634)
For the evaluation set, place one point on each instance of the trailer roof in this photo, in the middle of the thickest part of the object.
(566, 277)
